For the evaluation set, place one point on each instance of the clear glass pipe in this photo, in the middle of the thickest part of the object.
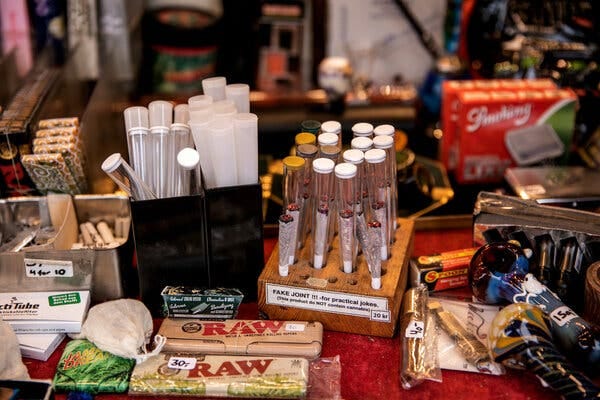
(324, 180)
(346, 203)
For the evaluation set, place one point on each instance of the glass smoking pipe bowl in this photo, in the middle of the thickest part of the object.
(519, 337)
(498, 273)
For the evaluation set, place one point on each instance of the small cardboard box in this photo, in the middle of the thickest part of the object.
(218, 303)
(45, 312)
(39, 346)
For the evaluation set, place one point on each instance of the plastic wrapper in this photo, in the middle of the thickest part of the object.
(465, 348)
(84, 367)
(325, 375)
(221, 376)
(419, 340)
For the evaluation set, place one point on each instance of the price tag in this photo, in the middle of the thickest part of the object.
(182, 363)
(48, 268)
(562, 315)
(294, 327)
(380, 315)
(415, 330)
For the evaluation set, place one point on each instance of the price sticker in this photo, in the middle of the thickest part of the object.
(562, 315)
(380, 315)
(415, 330)
(294, 327)
(182, 363)
(48, 268)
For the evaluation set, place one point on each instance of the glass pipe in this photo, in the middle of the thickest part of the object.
(499, 272)
(520, 338)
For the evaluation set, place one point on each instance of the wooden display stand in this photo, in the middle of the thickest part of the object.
(340, 301)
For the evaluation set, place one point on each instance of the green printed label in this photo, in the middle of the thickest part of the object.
(64, 299)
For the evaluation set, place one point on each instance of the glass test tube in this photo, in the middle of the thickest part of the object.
(188, 160)
(362, 129)
(386, 143)
(333, 127)
(308, 152)
(377, 182)
(324, 188)
(161, 118)
(126, 178)
(138, 142)
(293, 176)
(346, 202)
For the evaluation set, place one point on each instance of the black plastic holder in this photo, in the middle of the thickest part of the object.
(206, 241)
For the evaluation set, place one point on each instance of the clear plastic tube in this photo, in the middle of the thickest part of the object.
(386, 143)
(293, 175)
(308, 152)
(215, 87)
(246, 147)
(200, 136)
(182, 138)
(224, 109)
(188, 160)
(161, 118)
(221, 145)
(324, 188)
(199, 101)
(239, 93)
(376, 170)
(346, 202)
(333, 127)
(126, 178)
(138, 141)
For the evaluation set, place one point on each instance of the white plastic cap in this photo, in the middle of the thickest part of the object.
(383, 142)
(353, 156)
(376, 283)
(188, 158)
(161, 113)
(384, 130)
(323, 165)
(136, 117)
(361, 143)
(181, 114)
(112, 162)
(201, 100)
(375, 156)
(345, 170)
(325, 139)
(331, 127)
(362, 129)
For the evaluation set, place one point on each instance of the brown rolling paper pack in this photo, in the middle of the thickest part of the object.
(243, 337)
